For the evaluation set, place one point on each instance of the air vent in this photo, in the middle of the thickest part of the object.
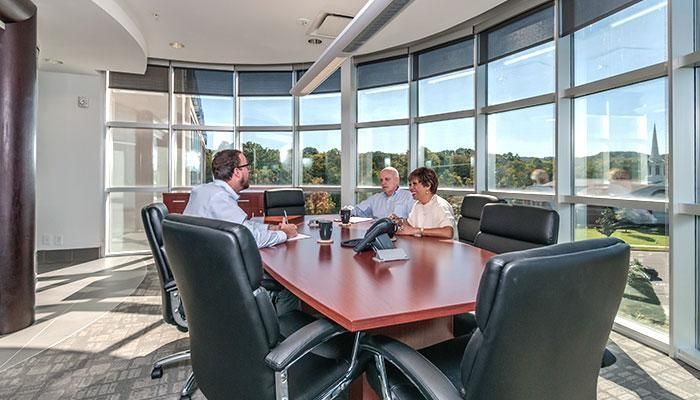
(328, 26)
(377, 24)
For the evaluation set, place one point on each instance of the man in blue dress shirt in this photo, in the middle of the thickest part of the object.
(219, 200)
(392, 200)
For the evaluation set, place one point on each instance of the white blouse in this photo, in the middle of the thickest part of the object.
(436, 213)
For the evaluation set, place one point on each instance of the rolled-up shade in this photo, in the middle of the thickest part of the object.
(521, 33)
(203, 82)
(444, 59)
(264, 83)
(154, 80)
(382, 73)
(576, 14)
(330, 85)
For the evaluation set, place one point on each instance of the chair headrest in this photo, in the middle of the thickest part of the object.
(218, 231)
(528, 224)
(153, 215)
(497, 265)
(474, 203)
(284, 197)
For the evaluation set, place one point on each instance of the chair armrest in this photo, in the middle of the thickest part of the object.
(170, 286)
(429, 380)
(301, 342)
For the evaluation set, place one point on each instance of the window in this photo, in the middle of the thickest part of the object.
(320, 157)
(269, 157)
(139, 157)
(445, 78)
(448, 148)
(322, 106)
(620, 42)
(378, 148)
(646, 297)
(139, 98)
(203, 97)
(520, 57)
(126, 233)
(264, 98)
(193, 151)
(621, 144)
(382, 90)
(521, 149)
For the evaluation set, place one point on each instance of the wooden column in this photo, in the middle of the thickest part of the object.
(18, 89)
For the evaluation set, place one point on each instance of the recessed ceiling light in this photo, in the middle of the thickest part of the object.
(176, 45)
(53, 61)
(315, 41)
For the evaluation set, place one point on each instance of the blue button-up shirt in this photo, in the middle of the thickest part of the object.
(380, 205)
(217, 200)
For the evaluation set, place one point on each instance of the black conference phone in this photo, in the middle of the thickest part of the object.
(378, 236)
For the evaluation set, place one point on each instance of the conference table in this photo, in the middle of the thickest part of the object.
(411, 300)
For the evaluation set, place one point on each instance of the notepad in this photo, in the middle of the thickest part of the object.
(390, 255)
(299, 236)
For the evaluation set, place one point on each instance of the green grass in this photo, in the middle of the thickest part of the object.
(641, 239)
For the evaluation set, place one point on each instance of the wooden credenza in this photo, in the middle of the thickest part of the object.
(251, 201)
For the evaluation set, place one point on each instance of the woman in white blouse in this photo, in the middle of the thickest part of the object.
(431, 215)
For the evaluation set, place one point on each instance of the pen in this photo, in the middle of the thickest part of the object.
(284, 221)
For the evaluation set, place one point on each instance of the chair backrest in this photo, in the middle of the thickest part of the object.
(544, 316)
(232, 323)
(468, 224)
(277, 201)
(152, 216)
(507, 228)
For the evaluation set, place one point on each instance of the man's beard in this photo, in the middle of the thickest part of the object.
(245, 183)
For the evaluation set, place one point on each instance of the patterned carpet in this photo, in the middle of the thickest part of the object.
(111, 360)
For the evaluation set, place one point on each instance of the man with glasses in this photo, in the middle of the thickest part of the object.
(219, 199)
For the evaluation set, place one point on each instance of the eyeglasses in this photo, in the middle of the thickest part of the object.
(244, 166)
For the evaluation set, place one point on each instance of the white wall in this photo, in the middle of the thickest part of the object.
(69, 166)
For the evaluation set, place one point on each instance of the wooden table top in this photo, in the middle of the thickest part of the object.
(440, 279)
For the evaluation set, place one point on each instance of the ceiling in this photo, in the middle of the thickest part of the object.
(120, 35)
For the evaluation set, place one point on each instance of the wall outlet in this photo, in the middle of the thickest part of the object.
(58, 240)
(46, 239)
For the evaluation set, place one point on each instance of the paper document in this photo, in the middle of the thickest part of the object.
(390, 255)
(299, 236)
(354, 220)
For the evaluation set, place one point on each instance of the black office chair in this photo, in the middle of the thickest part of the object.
(152, 216)
(468, 224)
(505, 228)
(237, 349)
(277, 201)
(544, 316)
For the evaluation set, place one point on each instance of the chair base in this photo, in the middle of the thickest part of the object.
(157, 370)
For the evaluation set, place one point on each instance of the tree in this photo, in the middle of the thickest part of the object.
(607, 222)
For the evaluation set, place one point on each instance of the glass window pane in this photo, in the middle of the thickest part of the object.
(320, 159)
(317, 203)
(265, 111)
(630, 39)
(203, 82)
(138, 106)
(154, 79)
(125, 225)
(575, 14)
(448, 148)
(444, 59)
(331, 84)
(362, 196)
(139, 157)
(318, 109)
(264, 83)
(382, 103)
(193, 154)
(520, 33)
(202, 110)
(453, 91)
(382, 73)
(269, 157)
(378, 148)
(521, 75)
(646, 297)
(621, 144)
(521, 149)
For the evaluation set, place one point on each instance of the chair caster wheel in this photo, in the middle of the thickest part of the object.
(157, 373)
(185, 397)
